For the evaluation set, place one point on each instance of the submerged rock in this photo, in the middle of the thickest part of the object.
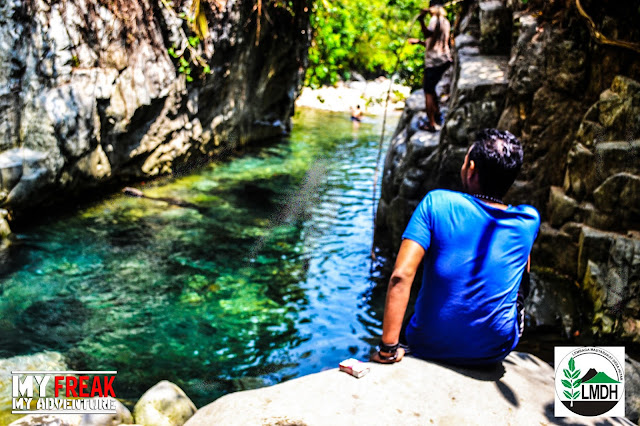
(412, 392)
(165, 404)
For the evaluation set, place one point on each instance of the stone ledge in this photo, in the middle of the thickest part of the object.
(413, 392)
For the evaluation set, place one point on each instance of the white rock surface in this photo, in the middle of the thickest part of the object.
(165, 404)
(412, 392)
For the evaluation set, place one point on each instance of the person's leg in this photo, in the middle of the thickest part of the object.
(439, 72)
(432, 107)
(430, 96)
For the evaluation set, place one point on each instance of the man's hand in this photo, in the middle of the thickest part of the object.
(377, 358)
(414, 41)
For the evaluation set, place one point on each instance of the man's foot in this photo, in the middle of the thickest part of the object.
(431, 129)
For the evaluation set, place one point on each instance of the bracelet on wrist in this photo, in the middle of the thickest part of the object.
(391, 349)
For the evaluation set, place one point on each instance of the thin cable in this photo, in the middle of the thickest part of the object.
(384, 122)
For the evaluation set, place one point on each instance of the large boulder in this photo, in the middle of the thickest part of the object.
(47, 361)
(165, 404)
(412, 392)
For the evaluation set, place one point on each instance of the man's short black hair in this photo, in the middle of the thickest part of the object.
(498, 158)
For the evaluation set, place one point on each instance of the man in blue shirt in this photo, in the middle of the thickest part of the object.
(475, 251)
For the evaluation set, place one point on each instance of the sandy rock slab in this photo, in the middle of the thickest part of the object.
(413, 392)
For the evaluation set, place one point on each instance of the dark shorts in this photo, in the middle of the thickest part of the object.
(432, 76)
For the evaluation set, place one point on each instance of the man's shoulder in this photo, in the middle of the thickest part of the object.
(530, 211)
(445, 195)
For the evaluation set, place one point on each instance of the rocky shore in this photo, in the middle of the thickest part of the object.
(369, 95)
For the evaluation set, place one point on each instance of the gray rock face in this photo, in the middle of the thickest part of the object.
(418, 161)
(520, 391)
(578, 117)
(85, 100)
(165, 404)
(632, 389)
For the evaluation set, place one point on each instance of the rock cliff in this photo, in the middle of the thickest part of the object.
(575, 105)
(95, 92)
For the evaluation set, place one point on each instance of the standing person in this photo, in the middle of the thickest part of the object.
(475, 251)
(356, 114)
(437, 58)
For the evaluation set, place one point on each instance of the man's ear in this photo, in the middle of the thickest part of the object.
(472, 173)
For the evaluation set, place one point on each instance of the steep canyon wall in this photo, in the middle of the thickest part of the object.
(90, 95)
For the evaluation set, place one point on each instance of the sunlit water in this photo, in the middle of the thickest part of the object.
(267, 279)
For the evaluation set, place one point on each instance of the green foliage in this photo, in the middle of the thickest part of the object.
(188, 57)
(365, 36)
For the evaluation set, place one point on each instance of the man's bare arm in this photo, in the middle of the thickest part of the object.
(407, 263)
(425, 30)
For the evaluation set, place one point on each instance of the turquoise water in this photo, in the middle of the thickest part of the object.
(267, 279)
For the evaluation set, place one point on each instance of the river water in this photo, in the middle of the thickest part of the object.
(265, 278)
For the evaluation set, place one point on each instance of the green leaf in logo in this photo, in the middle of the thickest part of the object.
(566, 383)
(567, 374)
(567, 394)
(575, 374)
(572, 364)
(576, 394)
(576, 383)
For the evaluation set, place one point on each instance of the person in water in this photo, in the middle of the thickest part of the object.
(475, 251)
(437, 58)
(356, 113)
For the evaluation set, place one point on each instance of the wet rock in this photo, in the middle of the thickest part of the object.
(164, 404)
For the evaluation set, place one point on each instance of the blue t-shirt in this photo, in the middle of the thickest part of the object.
(475, 256)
